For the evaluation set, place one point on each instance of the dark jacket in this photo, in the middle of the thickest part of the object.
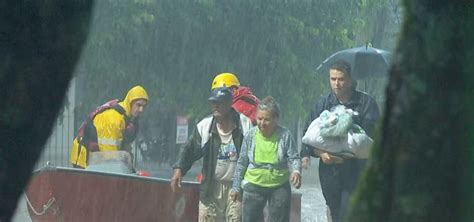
(361, 102)
(337, 178)
(205, 143)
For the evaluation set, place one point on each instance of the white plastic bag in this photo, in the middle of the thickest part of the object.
(356, 142)
(337, 122)
(313, 138)
(359, 144)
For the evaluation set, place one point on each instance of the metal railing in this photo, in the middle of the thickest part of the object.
(57, 149)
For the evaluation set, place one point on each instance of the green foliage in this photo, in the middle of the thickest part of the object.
(174, 48)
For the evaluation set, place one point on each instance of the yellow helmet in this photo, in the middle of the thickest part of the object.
(226, 79)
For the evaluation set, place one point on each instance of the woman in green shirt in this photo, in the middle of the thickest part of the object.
(268, 162)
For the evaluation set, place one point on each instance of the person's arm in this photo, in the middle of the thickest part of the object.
(370, 115)
(294, 160)
(188, 154)
(241, 168)
(306, 150)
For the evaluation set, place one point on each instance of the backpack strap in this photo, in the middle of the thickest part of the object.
(239, 133)
(102, 108)
(253, 100)
(122, 111)
(131, 127)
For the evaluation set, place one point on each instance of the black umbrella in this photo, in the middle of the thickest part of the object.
(365, 61)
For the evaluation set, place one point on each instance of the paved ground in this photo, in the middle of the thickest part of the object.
(313, 205)
(313, 208)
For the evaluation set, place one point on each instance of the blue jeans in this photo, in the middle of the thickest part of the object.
(255, 197)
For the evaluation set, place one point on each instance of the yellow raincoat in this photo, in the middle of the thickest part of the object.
(110, 125)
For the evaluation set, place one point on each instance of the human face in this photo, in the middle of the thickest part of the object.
(266, 122)
(137, 107)
(234, 89)
(340, 83)
(220, 108)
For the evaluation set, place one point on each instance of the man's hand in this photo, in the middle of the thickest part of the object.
(234, 195)
(176, 180)
(296, 180)
(306, 162)
(330, 159)
(326, 158)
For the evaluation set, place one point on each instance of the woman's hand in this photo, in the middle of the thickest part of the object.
(306, 162)
(296, 179)
(234, 195)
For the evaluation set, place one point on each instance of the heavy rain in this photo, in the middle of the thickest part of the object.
(317, 88)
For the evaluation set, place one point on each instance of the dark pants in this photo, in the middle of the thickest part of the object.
(338, 181)
(255, 197)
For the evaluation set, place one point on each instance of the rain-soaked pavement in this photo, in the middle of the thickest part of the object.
(313, 205)
(313, 208)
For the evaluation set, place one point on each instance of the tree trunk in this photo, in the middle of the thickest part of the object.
(421, 166)
(40, 42)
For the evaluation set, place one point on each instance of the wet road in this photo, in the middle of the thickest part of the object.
(313, 205)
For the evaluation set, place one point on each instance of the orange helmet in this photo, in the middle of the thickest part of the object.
(226, 79)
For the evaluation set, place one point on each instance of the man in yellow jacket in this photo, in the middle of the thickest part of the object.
(111, 127)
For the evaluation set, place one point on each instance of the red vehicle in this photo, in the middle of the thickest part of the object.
(67, 194)
(57, 194)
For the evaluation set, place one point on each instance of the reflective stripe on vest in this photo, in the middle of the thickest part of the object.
(107, 141)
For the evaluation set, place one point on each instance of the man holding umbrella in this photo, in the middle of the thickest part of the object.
(339, 176)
